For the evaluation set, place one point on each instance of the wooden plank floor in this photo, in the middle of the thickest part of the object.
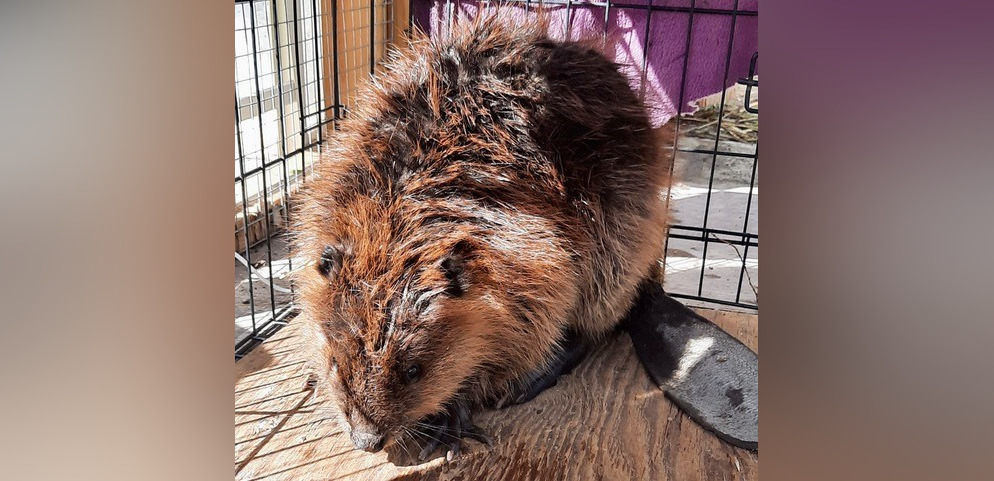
(605, 421)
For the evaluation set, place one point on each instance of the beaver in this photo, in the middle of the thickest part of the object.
(489, 210)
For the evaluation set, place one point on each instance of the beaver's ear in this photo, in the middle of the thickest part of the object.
(455, 268)
(331, 259)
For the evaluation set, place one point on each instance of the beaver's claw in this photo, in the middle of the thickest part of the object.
(448, 429)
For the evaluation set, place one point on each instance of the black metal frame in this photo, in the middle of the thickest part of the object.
(293, 91)
(297, 18)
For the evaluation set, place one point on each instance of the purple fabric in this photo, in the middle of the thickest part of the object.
(667, 46)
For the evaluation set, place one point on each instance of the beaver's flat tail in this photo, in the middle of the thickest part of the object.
(709, 374)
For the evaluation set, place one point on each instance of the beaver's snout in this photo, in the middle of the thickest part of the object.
(369, 442)
(365, 435)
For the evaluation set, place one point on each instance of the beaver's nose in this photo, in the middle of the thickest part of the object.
(369, 442)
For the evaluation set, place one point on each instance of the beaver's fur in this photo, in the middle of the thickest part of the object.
(488, 193)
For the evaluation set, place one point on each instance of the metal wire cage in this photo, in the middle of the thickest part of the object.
(298, 67)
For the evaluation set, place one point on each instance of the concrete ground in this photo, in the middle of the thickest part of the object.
(261, 295)
(730, 194)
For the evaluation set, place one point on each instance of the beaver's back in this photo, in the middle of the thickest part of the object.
(522, 118)
(550, 129)
(537, 148)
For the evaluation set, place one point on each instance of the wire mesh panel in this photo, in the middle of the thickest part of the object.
(695, 65)
(298, 66)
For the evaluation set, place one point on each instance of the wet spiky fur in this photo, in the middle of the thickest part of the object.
(487, 193)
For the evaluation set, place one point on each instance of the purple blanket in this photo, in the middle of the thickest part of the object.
(663, 55)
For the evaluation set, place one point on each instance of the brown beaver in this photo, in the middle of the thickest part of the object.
(489, 210)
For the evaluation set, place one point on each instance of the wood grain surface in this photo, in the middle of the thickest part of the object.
(604, 421)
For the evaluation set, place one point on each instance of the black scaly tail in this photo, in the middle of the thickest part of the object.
(709, 374)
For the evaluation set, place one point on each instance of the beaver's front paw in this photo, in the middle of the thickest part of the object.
(448, 430)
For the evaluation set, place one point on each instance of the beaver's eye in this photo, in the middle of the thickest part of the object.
(412, 373)
(331, 259)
